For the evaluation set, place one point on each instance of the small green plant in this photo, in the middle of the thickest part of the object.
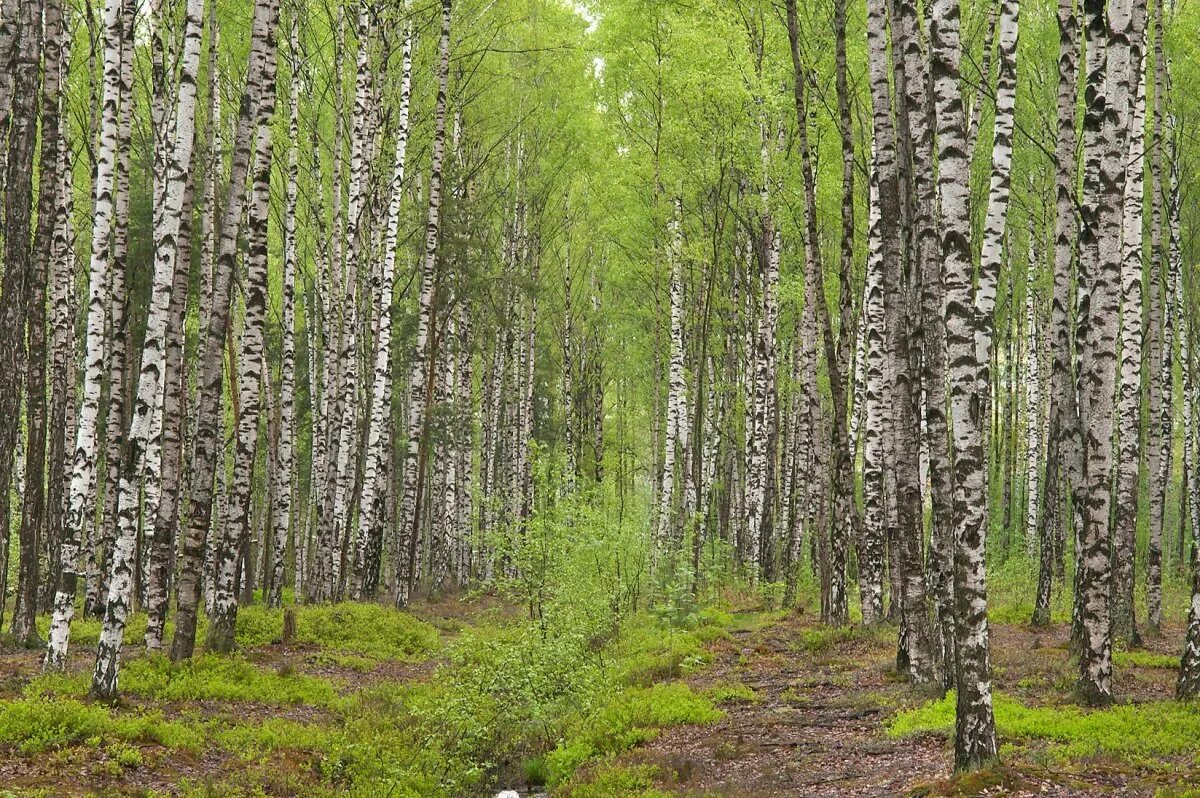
(732, 693)
(125, 755)
(616, 781)
(1145, 659)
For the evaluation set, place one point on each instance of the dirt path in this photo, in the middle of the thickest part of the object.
(816, 728)
(813, 729)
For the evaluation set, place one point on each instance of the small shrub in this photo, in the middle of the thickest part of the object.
(732, 693)
(615, 781)
(631, 718)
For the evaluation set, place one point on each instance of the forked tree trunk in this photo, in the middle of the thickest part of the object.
(258, 102)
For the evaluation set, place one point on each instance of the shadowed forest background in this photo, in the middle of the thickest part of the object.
(611, 399)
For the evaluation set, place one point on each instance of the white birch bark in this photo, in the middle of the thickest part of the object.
(143, 434)
(675, 438)
(1129, 405)
(84, 472)
(420, 381)
(380, 409)
(975, 731)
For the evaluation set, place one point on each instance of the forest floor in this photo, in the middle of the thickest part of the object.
(461, 697)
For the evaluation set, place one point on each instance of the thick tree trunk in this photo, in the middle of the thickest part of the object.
(83, 475)
(975, 730)
(1129, 409)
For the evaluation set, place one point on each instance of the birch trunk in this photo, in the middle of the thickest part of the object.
(421, 378)
(1158, 338)
(667, 533)
(1064, 464)
(83, 475)
(368, 523)
(136, 469)
(1129, 415)
(35, 268)
(258, 102)
(975, 730)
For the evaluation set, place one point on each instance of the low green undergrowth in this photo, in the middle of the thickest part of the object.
(1142, 733)
(628, 719)
(36, 723)
(1146, 659)
(368, 631)
(733, 693)
(208, 677)
(371, 631)
(617, 781)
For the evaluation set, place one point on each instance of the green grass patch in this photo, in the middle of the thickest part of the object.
(732, 693)
(1146, 659)
(1141, 733)
(367, 630)
(617, 781)
(36, 723)
(631, 718)
(209, 677)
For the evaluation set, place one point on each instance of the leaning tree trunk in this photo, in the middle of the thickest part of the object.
(257, 105)
(223, 620)
(160, 571)
(83, 476)
(136, 470)
(975, 728)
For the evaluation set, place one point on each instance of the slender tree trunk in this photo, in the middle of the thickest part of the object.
(667, 532)
(249, 388)
(423, 364)
(1158, 339)
(35, 267)
(369, 524)
(1064, 463)
(136, 470)
(119, 372)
